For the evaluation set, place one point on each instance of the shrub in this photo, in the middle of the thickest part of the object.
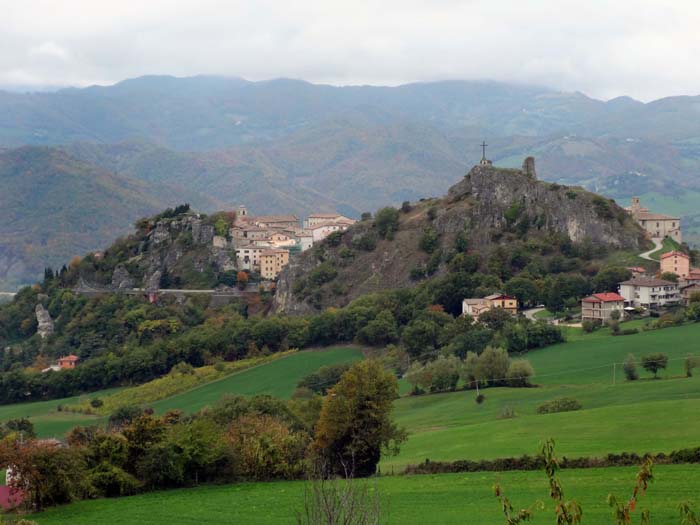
(560, 404)
(690, 363)
(519, 373)
(387, 222)
(96, 402)
(654, 362)
(589, 326)
(406, 207)
(630, 368)
(507, 412)
(429, 240)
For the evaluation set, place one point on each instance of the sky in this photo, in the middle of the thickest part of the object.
(605, 49)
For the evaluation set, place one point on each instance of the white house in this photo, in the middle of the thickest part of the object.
(649, 293)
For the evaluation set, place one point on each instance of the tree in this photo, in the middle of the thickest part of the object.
(630, 368)
(608, 279)
(420, 337)
(692, 313)
(429, 241)
(380, 331)
(654, 362)
(523, 289)
(519, 373)
(242, 279)
(493, 366)
(669, 276)
(496, 318)
(355, 423)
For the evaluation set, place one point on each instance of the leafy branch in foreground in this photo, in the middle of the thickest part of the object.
(622, 512)
(568, 512)
(512, 517)
(688, 516)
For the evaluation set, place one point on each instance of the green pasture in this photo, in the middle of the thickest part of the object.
(445, 499)
(278, 378)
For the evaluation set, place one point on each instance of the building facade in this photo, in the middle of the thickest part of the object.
(600, 306)
(656, 225)
(477, 306)
(649, 293)
(675, 262)
(272, 262)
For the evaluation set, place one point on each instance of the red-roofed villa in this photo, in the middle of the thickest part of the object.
(68, 361)
(600, 306)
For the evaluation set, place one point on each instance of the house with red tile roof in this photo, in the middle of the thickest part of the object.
(68, 361)
(599, 307)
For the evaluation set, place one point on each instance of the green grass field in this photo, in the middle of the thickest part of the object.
(278, 378)
(642, 416)
(445, 499)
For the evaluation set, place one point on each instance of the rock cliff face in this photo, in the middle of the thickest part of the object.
(167, 252)
(491, 206)
(44, 322)
(577, 213)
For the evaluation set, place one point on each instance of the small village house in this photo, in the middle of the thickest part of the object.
(637, 271)
(600, 306)
(68, 362)
(688, 290)
(323, 230)
(675, 262)
(272, 262)
(649, 293)
(476, 306)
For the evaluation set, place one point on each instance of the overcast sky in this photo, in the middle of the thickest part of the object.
(603, 48)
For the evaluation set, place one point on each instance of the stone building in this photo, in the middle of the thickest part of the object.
(657, 225)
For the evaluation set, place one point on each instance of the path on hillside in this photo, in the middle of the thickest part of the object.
(530, 313)
(658, 244)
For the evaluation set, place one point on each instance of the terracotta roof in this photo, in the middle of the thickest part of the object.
(276, 218)
(274, 252)
(475, 301)
(608, 297)
(645, 216)
(674, 253)
(324, 215)
(648, 282)
(70, 357)
(498, 296)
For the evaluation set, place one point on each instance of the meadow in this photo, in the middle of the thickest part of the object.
(446, 499)
(277, 378)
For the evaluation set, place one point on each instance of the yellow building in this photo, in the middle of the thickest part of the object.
(272, 262)
(476, 307)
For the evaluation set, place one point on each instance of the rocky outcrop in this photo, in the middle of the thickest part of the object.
(494, 192)
(121, 280)
(493, 206)
(44, 322)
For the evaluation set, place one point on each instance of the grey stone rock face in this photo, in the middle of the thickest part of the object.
(152, 282)
(44, 322)
(202, 233)
(121, 279)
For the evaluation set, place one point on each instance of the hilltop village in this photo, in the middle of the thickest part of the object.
(263, 243)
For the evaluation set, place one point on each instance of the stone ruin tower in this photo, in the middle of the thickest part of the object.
(529, 167)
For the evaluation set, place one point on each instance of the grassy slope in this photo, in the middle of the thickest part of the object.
(643, 416)
(278, 378)
(454, 498)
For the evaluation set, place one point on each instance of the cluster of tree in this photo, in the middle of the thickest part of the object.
(124, 340)
(492, 367)
(259, 438)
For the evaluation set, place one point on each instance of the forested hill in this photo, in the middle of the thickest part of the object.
(494, 226)
(54, 207)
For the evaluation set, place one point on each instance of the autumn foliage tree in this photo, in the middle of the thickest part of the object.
(355, 423)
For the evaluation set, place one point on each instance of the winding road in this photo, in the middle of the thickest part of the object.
(658, 244)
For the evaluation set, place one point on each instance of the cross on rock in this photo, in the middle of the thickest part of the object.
(483, 150)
